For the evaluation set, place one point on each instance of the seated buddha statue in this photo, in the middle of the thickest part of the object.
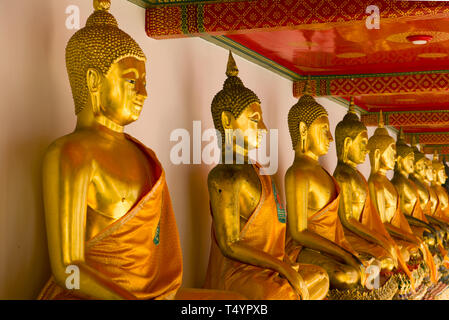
(441, 212)
(433, 198)
(409, 200)
(315, 233)
(247, 252)
(382, 155)
(107, 206)
(418, 177)
(361, 222)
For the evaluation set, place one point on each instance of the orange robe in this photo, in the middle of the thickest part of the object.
(401, 222)
(371, 219)
(265, 231)
(139, 251)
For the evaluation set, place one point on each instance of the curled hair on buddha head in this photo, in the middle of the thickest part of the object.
(306, 110)
(234, 97)
(349, 127)
(381, 139)
(402, 148)
(437, 164)
(418, 154)
(98, 45)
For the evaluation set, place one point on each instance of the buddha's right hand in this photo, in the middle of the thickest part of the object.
(357, 264)
(298, 283)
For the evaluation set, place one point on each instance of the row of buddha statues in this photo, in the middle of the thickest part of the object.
(108, 209)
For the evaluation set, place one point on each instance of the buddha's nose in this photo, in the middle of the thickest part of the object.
(142, 91)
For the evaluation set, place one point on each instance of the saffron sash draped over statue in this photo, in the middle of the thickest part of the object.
(140, 251)
(401, 222)
(371, 219)
(265, 230)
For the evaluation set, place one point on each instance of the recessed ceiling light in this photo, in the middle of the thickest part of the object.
(419, 39)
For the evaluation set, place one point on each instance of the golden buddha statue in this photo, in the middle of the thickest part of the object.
(418, 177)
(439, 177)
(423, 171)
(313, 195)
(382, 155)
(361, 222)
(428, 178)
(107, 206)
(409, 200)
(248, 224)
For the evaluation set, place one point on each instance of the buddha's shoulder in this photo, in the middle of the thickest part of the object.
(304, 169)
(230, 174)
(75, 145)
(344, 173)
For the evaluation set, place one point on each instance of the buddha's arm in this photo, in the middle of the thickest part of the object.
(297, 189)
(65, 182)
(376, 193)
(348, 221)
(224, 196)
(419, 223)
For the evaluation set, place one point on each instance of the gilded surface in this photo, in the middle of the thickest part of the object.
(107, 205)
(313, 199)
(248, 237)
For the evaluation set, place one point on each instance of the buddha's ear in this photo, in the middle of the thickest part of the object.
(346, 144)
(303, 129)
(376, 157)
(226, 119)
(303, 136)
(93, 80)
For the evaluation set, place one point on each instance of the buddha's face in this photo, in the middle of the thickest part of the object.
(407, 163)
(388, 157)
(429, 170)
(441, 175)
(251, 125)
(420, 168)
(319, 136)
(357, 150)
(123, 92)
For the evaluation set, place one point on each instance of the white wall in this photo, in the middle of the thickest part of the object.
(36, 108)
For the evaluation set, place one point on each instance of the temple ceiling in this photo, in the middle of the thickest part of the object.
(401, 67)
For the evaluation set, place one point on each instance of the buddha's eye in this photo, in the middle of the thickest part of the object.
(132, 81)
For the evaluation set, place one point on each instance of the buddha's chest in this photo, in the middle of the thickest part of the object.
(443, 198)
(358, 196)
(433, 200)
(391, 201)
(121, 177)
(249, 195)
(322, 190)
(422, 194)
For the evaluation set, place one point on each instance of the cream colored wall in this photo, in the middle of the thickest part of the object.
(37, 107)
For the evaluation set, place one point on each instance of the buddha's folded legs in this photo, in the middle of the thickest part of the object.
(316, 279)
(341, 276)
